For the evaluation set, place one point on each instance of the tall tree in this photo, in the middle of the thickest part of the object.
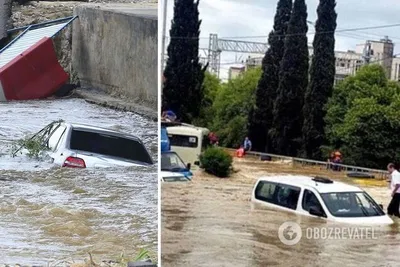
(260, 117)
(363, 119)
(293, 80)
(322, 76)
(5, 22)
(183, 90)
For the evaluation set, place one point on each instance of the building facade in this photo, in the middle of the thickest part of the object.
(349, 62)
(235, 72)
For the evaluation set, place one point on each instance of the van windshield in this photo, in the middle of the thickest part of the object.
(172, 162)
(176, 179)
(351, 204)
(109, 145)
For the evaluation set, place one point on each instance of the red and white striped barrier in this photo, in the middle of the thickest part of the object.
(34, 74)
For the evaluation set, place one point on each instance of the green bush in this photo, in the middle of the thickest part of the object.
(216, 161)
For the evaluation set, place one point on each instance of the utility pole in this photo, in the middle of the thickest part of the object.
(164, 34)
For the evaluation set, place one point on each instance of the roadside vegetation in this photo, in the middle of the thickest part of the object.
(362, 115)
(34, 145)
(216, 161)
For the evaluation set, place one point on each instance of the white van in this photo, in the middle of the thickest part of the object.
(319, 197)
(188, 141)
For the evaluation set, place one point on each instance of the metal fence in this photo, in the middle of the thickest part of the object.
(379, 174)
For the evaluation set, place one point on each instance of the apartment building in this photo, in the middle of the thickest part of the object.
(379, 52)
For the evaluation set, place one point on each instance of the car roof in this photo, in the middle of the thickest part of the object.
(99, 129)
(187, 130)
(306, 181)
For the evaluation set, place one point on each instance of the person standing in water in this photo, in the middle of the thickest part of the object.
(394, 205)
(247, 144)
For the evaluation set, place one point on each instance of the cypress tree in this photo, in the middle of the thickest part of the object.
(183, 89)
(293, 80)
(260, 117)
(322, 76)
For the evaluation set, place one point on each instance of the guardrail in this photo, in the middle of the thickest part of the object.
(381, 174)
(46, 23)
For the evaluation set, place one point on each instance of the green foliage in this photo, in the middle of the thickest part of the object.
(322, 76)
(36, 144)
(216, 161)
(142, 255)
(363, 118)
(261, 114)
(183, 86)
(231, 108)
(286, 130)
(35, 147)
(212, 86)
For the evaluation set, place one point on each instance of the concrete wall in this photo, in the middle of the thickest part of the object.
(114, 49)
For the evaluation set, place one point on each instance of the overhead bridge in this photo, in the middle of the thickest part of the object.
(29, 68)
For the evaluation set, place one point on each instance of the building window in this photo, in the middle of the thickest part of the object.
(342, 65)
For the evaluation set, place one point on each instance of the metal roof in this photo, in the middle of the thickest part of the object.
(28, 38)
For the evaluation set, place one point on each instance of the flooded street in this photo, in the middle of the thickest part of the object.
(48, 213)
(210, 222)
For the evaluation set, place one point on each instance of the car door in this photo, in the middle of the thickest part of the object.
(310, 200)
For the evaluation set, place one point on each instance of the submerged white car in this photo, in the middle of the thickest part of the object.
(84, 146)
(319, 197)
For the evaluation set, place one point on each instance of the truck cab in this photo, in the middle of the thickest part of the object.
(171, 164)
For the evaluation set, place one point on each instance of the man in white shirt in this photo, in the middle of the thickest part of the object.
(394, 205)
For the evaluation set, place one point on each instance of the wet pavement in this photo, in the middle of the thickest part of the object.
(49, 213)
(211, 222)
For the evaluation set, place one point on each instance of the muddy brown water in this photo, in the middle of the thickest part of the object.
(49, 213)
(211, 222)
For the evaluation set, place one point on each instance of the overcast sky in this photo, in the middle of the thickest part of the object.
(238, 18)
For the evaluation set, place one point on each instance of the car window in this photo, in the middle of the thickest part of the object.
(46, 132)
(351, 204)
(183, 140)
(109, 145)
(55, 137)
(310, 200)
(172, 162)
(287, 196)
(265, 191)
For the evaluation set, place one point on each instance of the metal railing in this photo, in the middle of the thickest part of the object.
(27, 28)
(46, 23)
(380, 174)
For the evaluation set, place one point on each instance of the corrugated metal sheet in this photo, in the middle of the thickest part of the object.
(28, 39)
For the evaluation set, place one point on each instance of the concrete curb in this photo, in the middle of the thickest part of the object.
(100, 98)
